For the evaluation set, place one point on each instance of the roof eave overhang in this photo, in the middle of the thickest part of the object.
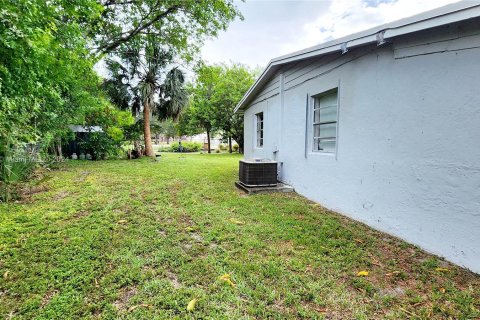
(379, 37)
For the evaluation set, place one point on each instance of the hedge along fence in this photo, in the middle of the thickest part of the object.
(186, 147)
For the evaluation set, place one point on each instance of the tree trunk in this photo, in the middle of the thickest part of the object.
(208, 141)
(58, 148)
(157, 138)
(230, 144)
(146, 130)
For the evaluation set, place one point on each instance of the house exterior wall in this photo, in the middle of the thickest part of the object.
(408, 144)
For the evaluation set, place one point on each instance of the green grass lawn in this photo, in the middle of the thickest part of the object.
(140, 239)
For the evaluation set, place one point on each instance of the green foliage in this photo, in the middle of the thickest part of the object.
(15, 166)
(43, 50)
(48, 50)
(112, 120)
(101, 146)
(216, 92)
(200, 114)
(235, 147)
(180, 24)
(169, 128)
(187, 146)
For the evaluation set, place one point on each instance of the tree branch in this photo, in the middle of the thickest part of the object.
(114, 44)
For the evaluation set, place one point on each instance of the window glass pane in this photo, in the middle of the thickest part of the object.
(326, 145)
(328, 113)
(328, 130)
(323, 145)
(259, 131)
(328, 100)
(260, 142)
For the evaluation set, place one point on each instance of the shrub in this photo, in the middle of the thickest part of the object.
(16, 165)
(187, 146)
(101, 146)
(235, 147)
(223, 147)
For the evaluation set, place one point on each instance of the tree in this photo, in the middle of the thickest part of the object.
(182, 24)
(140, 77)
(43, 50)
(236, 79)
(169, 129)
(215, 93)
(201, 113)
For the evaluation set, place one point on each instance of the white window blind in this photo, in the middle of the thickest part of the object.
(325, 110)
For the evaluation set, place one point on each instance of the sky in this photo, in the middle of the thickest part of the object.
(272, 28)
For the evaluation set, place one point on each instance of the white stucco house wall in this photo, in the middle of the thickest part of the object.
(383, 126)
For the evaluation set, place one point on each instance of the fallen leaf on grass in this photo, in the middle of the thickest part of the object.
(392, 273)
(143, 305)
(190, 229)
(442, 290)
(5, 275)
(122, 221)
(442, 269)
(362, 273)
(359, 241)
(227, 279)
(237, 221)
(191, 304)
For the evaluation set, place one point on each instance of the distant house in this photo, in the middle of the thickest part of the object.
(383, 126)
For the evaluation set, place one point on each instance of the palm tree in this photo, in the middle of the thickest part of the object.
(139, 75)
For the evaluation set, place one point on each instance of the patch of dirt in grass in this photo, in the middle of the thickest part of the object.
(196, 236)
(392, 292)
(213, 245)
(285, 248)
(61, 195)
(279, 305)
(186, 246)
(28, 191)
(81, 214)
(172, 277)
(83, 176)
(48, 297)
(125, 295)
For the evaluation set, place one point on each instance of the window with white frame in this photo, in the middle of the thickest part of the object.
(325, 109)
(259, 132)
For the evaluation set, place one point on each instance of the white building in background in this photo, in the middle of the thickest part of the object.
(215, 141)
(384, 127)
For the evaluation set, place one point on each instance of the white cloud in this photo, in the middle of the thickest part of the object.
(274, 28)
(345, 17)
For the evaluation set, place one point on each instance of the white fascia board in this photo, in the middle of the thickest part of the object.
(472, 12)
